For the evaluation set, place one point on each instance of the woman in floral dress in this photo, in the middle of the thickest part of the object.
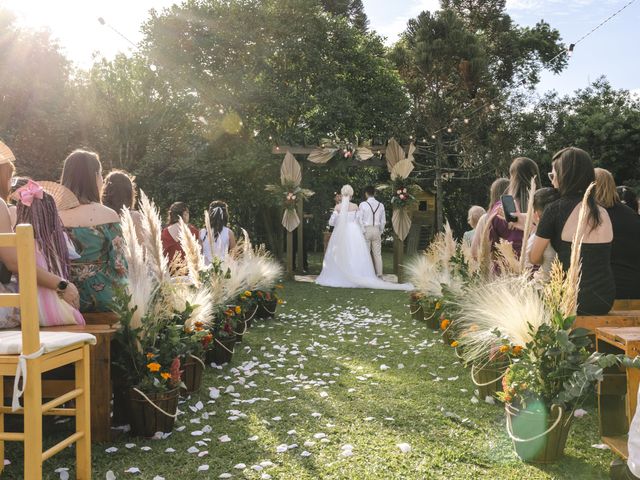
(96, 234)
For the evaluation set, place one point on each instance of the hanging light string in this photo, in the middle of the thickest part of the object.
(565, 51)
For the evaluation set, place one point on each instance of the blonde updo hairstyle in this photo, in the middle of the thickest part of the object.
(347, 191)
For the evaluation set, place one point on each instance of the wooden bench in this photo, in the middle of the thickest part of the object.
(615, 318)
(618, 391)
(102, 326)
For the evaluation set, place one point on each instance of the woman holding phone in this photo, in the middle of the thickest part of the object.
(572, 173)
(521, 171)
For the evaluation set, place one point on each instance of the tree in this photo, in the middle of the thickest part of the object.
(460, 66)
(36, 119)
(353, 10)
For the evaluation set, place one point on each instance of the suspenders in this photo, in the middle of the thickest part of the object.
(374, 211)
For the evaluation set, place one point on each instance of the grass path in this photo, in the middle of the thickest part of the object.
(308, 396)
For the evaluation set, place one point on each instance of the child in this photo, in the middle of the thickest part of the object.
(542, 198)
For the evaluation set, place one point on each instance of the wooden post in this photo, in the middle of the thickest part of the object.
(289, 255)
(398, 257)
(438, 172)
(300, 256)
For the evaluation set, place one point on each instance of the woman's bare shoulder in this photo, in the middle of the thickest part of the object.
(89, 215)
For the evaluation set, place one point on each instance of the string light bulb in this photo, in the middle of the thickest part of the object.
(449, 130)
(570, 49)
(466, 120)
(433, 137)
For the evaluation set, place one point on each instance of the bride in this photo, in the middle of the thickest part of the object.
(347, 261)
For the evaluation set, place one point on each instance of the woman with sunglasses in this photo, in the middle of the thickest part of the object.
(572, 173)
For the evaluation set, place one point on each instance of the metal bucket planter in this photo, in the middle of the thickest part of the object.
(221, 351)
(193, 368)
(487, 376)
(244, 324)
(433, 319)
(538, 437)
(152, 412)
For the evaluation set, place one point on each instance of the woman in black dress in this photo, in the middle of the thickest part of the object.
(572, 173)
(625, 250)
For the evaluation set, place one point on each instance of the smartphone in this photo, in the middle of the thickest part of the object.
(509, 207)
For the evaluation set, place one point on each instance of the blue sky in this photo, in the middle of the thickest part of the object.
(611, 51)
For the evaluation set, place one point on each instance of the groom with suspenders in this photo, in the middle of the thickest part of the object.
(373, 218)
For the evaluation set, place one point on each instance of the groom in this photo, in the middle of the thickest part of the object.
(373, 219)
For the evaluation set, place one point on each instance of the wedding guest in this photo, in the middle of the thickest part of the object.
(37, 208)
(625, 249)
(473, 217)
(542, 198)
(57, 285)
(498, 187)
(171, 233)
(223, 238)
(119, 192)
(521, 171)
(572, 173)
(95, 233)
(629, 198)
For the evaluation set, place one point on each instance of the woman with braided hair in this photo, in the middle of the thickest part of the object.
(223, 239)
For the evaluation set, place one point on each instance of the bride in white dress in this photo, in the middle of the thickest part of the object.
(347, 262)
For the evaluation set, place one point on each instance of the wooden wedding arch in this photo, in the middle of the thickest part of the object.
(399, 162)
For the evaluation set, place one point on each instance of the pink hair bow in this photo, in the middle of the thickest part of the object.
(30, 191)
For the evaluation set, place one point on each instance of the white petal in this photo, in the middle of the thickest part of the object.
(224, 438)
(110, 475)
(203, 468)
(404, 447)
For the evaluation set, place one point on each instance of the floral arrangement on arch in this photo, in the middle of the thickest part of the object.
(403, 192)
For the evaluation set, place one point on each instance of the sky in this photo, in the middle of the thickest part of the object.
(609, 51)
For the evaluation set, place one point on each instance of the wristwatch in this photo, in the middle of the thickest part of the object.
(62, 286)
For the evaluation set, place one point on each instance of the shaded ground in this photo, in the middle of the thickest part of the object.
(313, 384)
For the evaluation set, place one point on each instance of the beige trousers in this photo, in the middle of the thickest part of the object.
(374, 241)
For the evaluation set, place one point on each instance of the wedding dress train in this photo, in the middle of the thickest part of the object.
(347, 262)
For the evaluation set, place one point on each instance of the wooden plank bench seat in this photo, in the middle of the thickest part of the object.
(102, 326)
(618, 391)
(615, 318)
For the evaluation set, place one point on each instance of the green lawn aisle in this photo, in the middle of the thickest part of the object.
(328, 391)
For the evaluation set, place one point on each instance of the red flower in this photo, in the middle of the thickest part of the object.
(228, 328)
(175, 371)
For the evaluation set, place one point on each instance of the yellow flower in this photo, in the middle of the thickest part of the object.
(153, 366)
(454, 344)
(280, 301)
(279, 286)
(438, 305)
(165, 375)
(504, 348)
(444, 324)
(238, 309)
(247, 293)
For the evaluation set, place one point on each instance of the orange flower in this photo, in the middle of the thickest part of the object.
(444, 324)
(517, 350)
(150, 355)
(165, 375)
(228, 312)
(154, 367)
(279, 286)
(238, 309)
(198, 324)
(454, 344)
(504, 348)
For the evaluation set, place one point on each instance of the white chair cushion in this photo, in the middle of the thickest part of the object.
(11, 341)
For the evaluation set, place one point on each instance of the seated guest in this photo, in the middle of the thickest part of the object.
(473, 216)
(625, 250)
(542, 198)
(171, 233)
(37, 208)
(223, 238)
(118, 192)
(95, 232)
(521, 171)
(498, 187)
(48, 282)
(629, 198)
(572, 173)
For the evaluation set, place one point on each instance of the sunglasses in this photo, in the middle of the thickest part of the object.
(551, 176)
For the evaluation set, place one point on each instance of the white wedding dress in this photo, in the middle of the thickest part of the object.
(347, 262)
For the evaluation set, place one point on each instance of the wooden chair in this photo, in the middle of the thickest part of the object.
(28, 353)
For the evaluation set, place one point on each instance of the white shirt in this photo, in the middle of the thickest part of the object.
(220, 245)
(372, 213)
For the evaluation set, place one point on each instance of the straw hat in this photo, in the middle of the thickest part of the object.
(6, 155)
(65, 199)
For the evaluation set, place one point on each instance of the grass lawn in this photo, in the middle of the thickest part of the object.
(308, 396)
